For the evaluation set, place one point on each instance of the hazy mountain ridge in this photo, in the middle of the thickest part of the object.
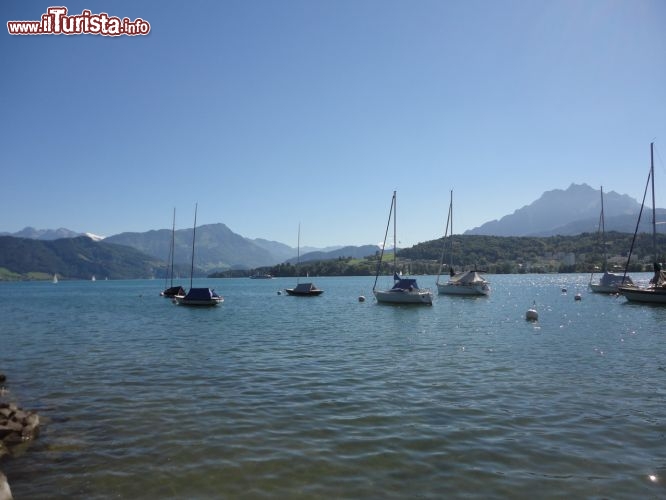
(278, 250)
(216, 247)
(43, 234)
(349, 251)
(570, 211)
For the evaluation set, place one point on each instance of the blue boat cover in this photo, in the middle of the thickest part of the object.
(405, 284)
(174, 290)
(305, 287)
(200, 294)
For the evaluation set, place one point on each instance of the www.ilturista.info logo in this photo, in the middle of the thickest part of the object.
(56, 22)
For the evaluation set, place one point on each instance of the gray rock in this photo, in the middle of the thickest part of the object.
(5, 492)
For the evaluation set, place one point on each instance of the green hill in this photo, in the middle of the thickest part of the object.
(497, 255)
(73, 258)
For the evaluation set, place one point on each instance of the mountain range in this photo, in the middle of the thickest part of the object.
(565, 212)
(571, 211)
(50, 234)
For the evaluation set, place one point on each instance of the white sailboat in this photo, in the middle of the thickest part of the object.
(609, 282)
(655, 292)
(464, 283)
(197, 296)
(55, 278)
(404, 290)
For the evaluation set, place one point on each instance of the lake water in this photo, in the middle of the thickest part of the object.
(271, 396)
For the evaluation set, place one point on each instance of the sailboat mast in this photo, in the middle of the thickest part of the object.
(451, 233)
(603, 231)
(654, 210)
(298, 254)
(395, 232)
(194, 234)
(446, 232)
(381, 254)
(173, 242)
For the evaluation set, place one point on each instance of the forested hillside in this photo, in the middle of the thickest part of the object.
(497, 255)
(72, 258)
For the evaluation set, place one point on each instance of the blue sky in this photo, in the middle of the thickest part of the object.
(272, 113)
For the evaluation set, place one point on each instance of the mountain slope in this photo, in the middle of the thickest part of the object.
(573, 211)
(279, 251)
(350, 251)
(43, 234)
(216, 248)
(75, 258)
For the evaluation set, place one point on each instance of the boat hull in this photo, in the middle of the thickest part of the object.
(480, 289)
(311, 293)
(597, 288)
(198, 303)
(403, 297)
(644, 295)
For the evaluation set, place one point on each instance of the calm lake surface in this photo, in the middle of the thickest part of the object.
(271, 396)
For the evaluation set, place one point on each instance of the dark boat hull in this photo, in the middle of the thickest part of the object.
(311, 293)
(644, 295)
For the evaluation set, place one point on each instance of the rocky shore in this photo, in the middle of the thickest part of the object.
(18, 428)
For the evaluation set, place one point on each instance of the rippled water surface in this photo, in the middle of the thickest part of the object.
(271, 396)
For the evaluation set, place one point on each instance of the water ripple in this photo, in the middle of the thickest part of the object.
(271, 396)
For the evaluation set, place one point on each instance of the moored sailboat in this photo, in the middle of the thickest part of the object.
(463, 283)
(404, 290)
(302, 289)
(197, 296)
(655, 292)
(609, 282)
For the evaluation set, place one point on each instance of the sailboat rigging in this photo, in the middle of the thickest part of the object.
(609, 282)
(302, 289)
(464, 283)
(655, 292)
(197, 296)
(171, 291)
(404, 290)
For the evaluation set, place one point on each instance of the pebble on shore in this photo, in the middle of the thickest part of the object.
(17, 426)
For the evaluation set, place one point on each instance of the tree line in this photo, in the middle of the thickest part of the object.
(492, 254)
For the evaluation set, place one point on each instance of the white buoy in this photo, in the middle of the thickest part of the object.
(361, 298)
(578, 297)
(532, 314)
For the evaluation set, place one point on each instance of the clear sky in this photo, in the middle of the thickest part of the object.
(268, 113)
